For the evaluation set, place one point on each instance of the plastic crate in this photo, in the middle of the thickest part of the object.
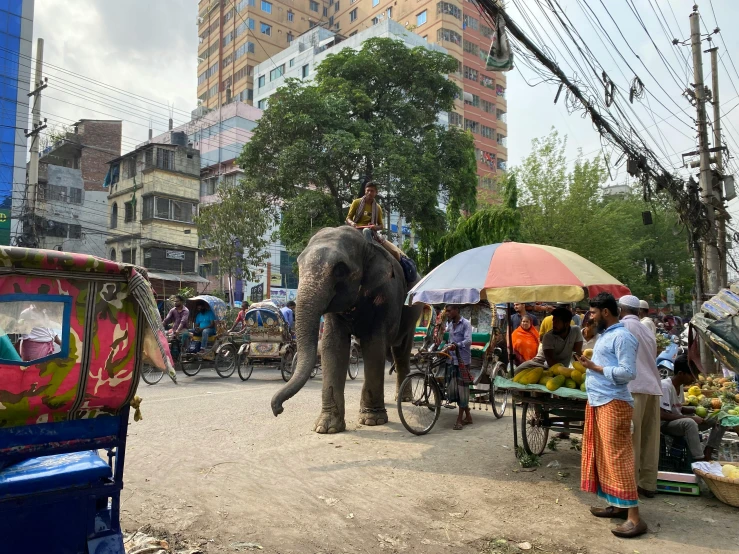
(674, 455)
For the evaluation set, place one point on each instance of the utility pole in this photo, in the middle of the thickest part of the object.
(713, 266)
(39, 85)
(717, 146)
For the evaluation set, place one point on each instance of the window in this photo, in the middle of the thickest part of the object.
(306, 70)
(331, 21)
(472, 125)
(471, 47)
(242, 4)
(169, 259)
(488, 107)
(421, 18)
(129, 212)
(353, 15)
(290, 16)
(75, 231)
(265, 29)
(470, 73)
(375, 3)
(375, 20)
(501, 164)
(47, 316)
(455, 119)
(165, 208)
(487, 132)
(266, 6)
(473, 101)
(486, 31)
(487, 82)
(128, 256)
(289, 38)
(228, 38)
(114, 216)
(292, 62)
(112, 254)
(165, 159)
(313, 6)
(277, 72)
(131, 167)
(336, 7)
(325, 12)
(501, 116)
(228, 16)
(260, 81)
(487, 158)
(448, 35)
(499, 91)
(445, 8)
(228, 60)
(75, 195)
(243, 72)
(470, 23)
(389, 13)
(262, 104)
(502, 140)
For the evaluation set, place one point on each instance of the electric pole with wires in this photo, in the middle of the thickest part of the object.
(713, 265)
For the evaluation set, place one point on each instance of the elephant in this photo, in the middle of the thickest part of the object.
(360, 289)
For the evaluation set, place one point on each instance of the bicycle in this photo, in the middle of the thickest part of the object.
(420, 395)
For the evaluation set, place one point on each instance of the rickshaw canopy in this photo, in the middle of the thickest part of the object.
(217, 306)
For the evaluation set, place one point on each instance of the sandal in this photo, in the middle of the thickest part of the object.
(457, 427)
(609, 511)
(466, 422)
(628, 530)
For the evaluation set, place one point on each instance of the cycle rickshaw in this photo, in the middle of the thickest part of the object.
(75, 332)
(269, 341)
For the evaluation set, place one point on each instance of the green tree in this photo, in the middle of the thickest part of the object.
(492, 224)
(566, 208)
(235, 230)
(369, 113)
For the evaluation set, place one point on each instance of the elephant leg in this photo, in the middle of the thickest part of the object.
(402, 359)
(372, 407)
(334, 363)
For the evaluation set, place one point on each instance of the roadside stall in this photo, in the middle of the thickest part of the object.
(512, 272)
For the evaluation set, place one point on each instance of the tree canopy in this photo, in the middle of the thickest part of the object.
(235, 230)
(371, 113)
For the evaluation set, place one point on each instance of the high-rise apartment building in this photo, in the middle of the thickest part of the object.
(235, 35)
(458, 27)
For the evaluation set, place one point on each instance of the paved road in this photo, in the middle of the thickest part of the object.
(211, 464)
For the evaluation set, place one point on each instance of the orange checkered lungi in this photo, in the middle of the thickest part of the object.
(607, 467)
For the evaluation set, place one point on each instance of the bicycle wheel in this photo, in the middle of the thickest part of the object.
(226, 361)
(353, 363)
(245, 369)
(419, 403)
(191, 366)
(498, 397)
(533, 432)
(288, 365)
(151, 375)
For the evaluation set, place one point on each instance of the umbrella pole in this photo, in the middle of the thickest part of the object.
(509, 333)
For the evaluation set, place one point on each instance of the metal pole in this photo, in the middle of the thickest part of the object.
(721, 219)
(713, 266)
(36, 115)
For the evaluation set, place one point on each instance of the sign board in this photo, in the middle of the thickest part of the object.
(670, 296)
(283, 296)
(175, 255)
(276, 280)
(257, 293)
(5, 227)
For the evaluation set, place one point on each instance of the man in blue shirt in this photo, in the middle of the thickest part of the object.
(288, 312)
(205, 325)
(607, 450)
(459, 346)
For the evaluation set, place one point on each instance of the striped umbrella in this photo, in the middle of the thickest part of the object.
(514, 272)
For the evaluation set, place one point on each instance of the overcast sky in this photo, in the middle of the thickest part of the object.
(97, 48)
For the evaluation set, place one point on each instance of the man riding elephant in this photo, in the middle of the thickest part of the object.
(360, 289)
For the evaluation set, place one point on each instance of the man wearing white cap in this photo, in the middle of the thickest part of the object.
(647, 393)
(644, 316)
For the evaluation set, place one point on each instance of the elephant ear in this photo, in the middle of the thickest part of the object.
(377, 269)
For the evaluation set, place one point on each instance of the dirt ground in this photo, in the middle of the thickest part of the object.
(211, 467)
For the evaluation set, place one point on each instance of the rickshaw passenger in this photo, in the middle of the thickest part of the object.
(288, 312)
(39, 341)
(178, 316)
(241, 318)
(7, 351)
(205, 323)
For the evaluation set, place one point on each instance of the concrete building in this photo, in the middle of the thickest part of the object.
(236, 35)
(16, 35)
(153, 198)
(457, 26)
(220, 135)
(71, 203)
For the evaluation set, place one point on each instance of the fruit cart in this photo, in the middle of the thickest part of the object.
(511, 272)
(542, 410)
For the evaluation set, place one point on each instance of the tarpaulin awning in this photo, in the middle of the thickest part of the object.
(191, 278)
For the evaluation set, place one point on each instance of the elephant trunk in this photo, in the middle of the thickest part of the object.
(307, 325)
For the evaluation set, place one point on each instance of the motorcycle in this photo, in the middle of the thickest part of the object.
(666, 358)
